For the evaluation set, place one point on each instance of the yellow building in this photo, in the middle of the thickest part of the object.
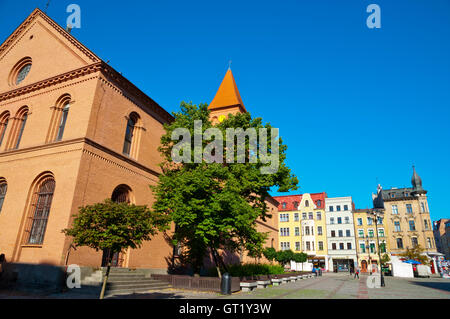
(302, 226)
(367, 245)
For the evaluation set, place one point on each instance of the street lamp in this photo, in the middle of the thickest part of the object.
(368, 250)
(375, 213)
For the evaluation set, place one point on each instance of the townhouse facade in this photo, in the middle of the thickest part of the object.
(302, 226)
(340, 233)
(407, 217)
(371, 239)
(441, 230)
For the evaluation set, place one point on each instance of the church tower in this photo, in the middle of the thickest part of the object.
(227, 99)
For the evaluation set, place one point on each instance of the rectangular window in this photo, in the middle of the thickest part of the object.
(307, 231)
(333, 246)
(341, 246)
(310, 215)
(394, 210)
(369, 221)
(349, 245)
(370, 232)
(361, 233)
(331, 208)
(362, 247)
(284, 217)
(372, 248)
(331, 220)
(379, 220)
(360, 222)
(304, 215)
(425, 223)
(429, 245)
(347, 220)
(399, 243)
(345, 207)
(383, 247)
(339, 220)
(319, 230)
(320, 245)
(414, 241)
(297, 231)
(380, 232)
(333, 233)
(412, 225)
(347, 233)
(341, 234)
(296, 217)
(319, 216)
(397, 226)
(338, 208)
(297, 245)
(409, 209)
(285, 245)
(308, 245)
(284, 231)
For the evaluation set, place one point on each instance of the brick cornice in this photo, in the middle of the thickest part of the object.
(51, 81)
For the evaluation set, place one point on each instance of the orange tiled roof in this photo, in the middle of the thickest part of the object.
(228, 93)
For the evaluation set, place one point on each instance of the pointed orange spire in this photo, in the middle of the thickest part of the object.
(228, 94)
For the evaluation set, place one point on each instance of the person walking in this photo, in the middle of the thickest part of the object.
(314, 271)
(356, 272)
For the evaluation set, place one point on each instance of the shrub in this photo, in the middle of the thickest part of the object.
(250, 269)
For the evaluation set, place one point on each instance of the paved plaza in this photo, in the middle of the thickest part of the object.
(328, 286)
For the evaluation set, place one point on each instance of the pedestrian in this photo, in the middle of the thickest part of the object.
(356, 272)
(314, 271)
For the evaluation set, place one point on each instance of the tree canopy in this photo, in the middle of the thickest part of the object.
(215, 205)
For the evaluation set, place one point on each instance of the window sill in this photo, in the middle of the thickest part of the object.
(31, 246)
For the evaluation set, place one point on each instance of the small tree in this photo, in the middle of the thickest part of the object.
(300, 257)
(284, 256)
(416, 253)
(270, 254)
(115, 227)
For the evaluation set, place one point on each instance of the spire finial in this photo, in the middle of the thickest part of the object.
(229, 64)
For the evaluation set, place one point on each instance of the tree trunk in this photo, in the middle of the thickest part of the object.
(216, 262)
(102, 293)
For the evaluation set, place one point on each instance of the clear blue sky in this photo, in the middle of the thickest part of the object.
(354, 105)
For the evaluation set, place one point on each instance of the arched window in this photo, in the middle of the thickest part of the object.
(3, 188)
(62, 122)
(132, 135)
(21, 118)
(121, 194)
(59, 119)
(306, 203)
(4, 119)
(40, 209)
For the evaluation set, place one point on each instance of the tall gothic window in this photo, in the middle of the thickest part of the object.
(129, 147)
(40, 206)
(3, 188)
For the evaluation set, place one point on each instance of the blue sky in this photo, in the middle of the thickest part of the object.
(356, 106)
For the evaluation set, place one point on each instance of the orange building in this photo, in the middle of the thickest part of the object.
(73, 132)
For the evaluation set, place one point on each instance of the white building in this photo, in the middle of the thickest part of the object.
(340, 233)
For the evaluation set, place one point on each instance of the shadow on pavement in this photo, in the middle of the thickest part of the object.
(152, 295)
(445, 286)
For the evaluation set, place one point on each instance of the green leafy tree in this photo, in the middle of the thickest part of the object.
(216, 205)
(285, 256)
(114, 226)
(270, 254)
(300, 257)
(416, 253)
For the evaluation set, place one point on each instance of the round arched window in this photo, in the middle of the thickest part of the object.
(23, 72)
(20, 71)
